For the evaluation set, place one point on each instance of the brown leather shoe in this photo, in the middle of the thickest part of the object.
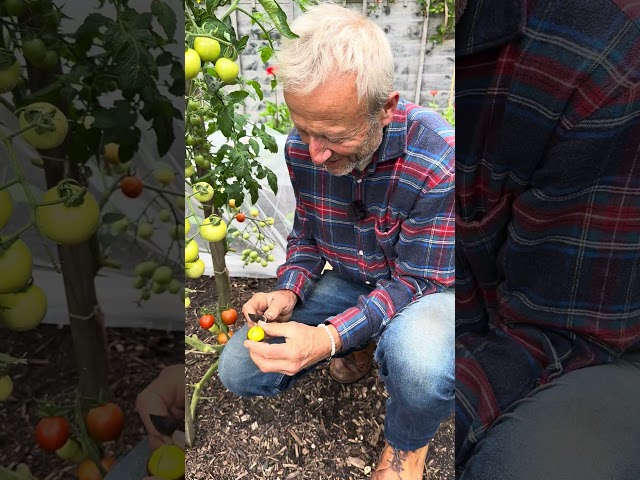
(354, 366)
(400, 465)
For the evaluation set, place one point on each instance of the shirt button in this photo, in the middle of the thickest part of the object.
(368, 282)
(359, 180)
(360, 252)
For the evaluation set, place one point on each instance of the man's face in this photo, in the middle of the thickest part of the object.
(340, 134)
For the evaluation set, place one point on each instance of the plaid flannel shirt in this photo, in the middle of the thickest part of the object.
(405, 244)
(547, 198)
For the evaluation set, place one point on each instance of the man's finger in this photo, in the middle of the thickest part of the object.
(276, 329)
(268, 365)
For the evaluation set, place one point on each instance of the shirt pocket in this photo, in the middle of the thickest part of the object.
(387, 236)
(480, 242)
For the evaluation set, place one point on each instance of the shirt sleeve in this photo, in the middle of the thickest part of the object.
(424, 264)
(304, 261)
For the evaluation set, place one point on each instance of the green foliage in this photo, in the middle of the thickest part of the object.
(277, 117)
(447, 8)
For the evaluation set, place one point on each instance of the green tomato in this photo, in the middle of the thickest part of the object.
(253, 254)
(6, 387)
(271, 258)
(9, 77)
(188, 171)
(187, 226)
(174, 286)
(158, 288)
(145, 230)
(164, 215)
(162, 275)
(246, 235)
(264, 263)
(262, 224)
(192, 105)
(25, 310)
(187, 302)
(146, 268)
(265, 248)
(145, 295)
(254, 212)
(34, 50)
(16, 265)
(139, 282)
(49, 61)
(191, 141)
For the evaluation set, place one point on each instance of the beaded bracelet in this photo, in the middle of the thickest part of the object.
(333, 342)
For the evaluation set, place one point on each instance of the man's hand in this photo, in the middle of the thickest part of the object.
(304, 346)
(164, 396)
(276, 306)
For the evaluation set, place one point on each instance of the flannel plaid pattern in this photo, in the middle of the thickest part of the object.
(405, 243)
(547, 198)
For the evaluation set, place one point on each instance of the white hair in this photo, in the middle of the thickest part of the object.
(335, 41)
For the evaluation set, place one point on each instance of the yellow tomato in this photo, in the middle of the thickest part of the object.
(227, 69)
(51, 133)
(211, 231)
(194, 269)
(191, 251)
(191, 64)
(208, 48)
(256, 334)
(111, 153)
(68, 225)
(167, 462)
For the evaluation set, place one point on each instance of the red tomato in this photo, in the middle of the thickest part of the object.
(105, 422)
(229, 317)
(207, 321)
(240, 217)
(131, 186)
(88, 470)
(52, 433)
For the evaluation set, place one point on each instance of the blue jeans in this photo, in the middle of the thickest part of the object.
(584, 425)
(415, 355)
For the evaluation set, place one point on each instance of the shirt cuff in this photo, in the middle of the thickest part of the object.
(296, 281)
(353, 327)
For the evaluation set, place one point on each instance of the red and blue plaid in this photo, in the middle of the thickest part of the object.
(547, 198)
(404, 246)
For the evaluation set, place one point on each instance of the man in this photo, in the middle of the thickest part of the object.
(548, 240)
(374, 185)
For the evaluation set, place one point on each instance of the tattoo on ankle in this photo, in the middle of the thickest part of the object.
(398, 457)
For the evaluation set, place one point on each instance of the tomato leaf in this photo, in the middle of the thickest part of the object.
(166, 17)
(278, 17)
(265, 53)
(272, 179)
(226, 122)
(256, 86)
(112, 217)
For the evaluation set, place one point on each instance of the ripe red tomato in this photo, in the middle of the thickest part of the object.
(131, 186)
(229, 317)
(52, 433)
(207, 321)
(240, 217)
(105, 422)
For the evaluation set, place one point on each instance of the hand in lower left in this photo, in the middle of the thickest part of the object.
(304, 346)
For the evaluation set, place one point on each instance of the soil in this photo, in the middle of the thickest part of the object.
(136, 357)
(319, 429)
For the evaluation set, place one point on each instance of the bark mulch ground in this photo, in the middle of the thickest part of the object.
(136, 357)
(320, 429)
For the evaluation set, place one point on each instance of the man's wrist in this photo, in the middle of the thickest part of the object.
(336, 337)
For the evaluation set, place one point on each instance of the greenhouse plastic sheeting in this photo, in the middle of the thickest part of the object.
(280, 206)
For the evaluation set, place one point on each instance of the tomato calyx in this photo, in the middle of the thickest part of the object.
(71, 193)
(40, 120)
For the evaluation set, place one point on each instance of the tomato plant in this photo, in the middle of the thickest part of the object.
(105, 422)
(52, 433)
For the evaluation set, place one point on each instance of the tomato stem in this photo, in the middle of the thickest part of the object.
(199, 386)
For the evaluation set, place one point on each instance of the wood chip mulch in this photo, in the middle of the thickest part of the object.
(319, 429)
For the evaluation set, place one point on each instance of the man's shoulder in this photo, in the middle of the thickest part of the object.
(425, 126)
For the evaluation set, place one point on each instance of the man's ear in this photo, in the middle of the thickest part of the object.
(389, 107)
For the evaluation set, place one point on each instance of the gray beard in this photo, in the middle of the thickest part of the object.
(363, 158)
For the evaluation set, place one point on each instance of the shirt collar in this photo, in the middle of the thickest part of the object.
(394, 139)
(489, 24)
